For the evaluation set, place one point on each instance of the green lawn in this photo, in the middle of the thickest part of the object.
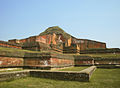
(104, 55)
(101, 78)
(109, 55)
(73, 69)
(11, 70)
(18, 50)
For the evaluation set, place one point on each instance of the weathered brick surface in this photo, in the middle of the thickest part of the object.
(6, 76)
(10, 61)
(41, 39)
(84, 60)
(89, 70)
(57, 37)
(61, 62)
(10, 45)
(104, 61)
(94, 51)
(51, 60)
(83, 75)
(65, 75)
(37, 62)
(48, 61)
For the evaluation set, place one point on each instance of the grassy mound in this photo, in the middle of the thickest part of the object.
(56, 30)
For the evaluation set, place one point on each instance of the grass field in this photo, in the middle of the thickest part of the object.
(101, 78)
(73, 69)
(10, 70)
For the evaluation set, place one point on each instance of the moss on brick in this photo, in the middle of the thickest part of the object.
(56, 30)
(11, 52)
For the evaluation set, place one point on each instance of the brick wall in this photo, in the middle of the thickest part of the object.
(84, 60)
(10, 61)
(83, 75)
(71, 44)
(9, 45)
(107, 50)
(61, 62)
(52, 60)
(7, 76)
(37, 61)
(107, 62)
(41, 39)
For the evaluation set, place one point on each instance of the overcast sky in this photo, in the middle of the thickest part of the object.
(88, 19)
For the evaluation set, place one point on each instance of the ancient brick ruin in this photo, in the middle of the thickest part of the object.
(56, 39)
(56, 48)
(10, 45)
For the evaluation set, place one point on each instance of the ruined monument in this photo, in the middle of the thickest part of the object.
(55, 48)
(57, 39)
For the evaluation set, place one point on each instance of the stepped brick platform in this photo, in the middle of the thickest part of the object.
(81, 76)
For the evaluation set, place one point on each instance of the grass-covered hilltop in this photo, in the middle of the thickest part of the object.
(56, 30)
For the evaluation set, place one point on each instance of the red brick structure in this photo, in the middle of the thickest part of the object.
(77, 45)
(10, 45)
(11, 61)
(56, 39)
(51, 40)
(48, 60)
(97, 61)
